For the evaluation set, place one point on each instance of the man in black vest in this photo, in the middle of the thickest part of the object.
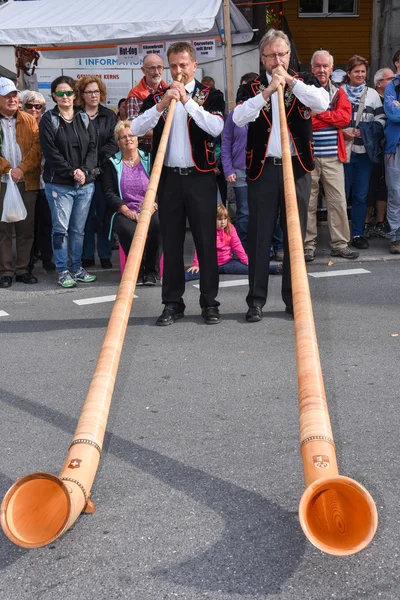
(259, 108)
(187, 186)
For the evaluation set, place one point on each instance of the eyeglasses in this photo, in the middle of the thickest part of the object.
(92, 93)
(386, 78)
(61, 94)
(276, 55)
(29, 106)
(159, 69)
(125, 138)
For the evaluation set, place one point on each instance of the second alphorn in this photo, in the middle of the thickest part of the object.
(40, 507)
(337, 514)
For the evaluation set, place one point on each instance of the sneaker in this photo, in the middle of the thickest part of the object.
(106, 263)
(149, 280)
(345, 252)
(309, 254)
(360, 242)
(379, 230)
(65, 280)
(394, 247)
(367, 233)
(83, 276)
(140, 280)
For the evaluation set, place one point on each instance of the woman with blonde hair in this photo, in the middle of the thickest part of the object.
(125, 181)
(91, 92)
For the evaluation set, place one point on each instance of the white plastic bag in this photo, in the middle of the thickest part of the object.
(13, 205)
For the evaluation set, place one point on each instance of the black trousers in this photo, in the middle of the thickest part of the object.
(42, 245)
(192, 196)
(265, 197)
(125, 229)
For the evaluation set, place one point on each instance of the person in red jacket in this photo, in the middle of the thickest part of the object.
(330, 154)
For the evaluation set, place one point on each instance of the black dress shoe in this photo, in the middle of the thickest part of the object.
(48, 265)
(211, 315)
(87, 262)
(26, 278)
(169, 315)
(106, 263)
(289, 309)
(360, 242)
(5, 281)
(254, 314)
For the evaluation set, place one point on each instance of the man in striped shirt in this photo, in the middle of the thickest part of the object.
(330, 154)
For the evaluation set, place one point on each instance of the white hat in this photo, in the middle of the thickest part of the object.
(6, 86)
(338, 75)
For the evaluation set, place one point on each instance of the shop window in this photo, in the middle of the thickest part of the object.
(327, 8)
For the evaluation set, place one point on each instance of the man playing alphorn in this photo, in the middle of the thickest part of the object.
(259, 108)
(187, 186)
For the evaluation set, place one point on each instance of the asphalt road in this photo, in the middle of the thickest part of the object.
(200, 479)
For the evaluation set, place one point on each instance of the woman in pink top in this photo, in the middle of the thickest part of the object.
(228, 243)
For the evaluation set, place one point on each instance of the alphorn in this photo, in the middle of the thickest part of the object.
(337, 514)
(40, 507)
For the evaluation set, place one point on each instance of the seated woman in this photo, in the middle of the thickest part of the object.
(125, 179)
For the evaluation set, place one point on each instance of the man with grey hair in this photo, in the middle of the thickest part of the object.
(330, 154)
(259, 109)
(152, 69)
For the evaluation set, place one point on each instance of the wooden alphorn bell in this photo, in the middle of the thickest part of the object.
(337, 514)
(40, 507)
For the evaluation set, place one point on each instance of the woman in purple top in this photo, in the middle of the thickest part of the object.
(125, 179)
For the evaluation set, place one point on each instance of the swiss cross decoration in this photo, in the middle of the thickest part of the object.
(75, 463)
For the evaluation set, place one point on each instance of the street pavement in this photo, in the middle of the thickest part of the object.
(200, 479)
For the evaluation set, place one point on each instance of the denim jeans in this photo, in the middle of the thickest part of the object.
(232, 267)
(95, 222)
(357, 176)
(69, 207)
(242, 213)
(392, 170)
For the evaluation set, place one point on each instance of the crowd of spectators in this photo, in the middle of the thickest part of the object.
(82, 174)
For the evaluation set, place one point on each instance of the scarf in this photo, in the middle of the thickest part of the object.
(141, 90)
(354, 92)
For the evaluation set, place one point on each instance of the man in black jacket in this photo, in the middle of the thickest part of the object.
(259, 108)
(187, 185)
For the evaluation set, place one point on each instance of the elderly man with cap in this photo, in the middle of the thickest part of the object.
(19, 158)
(330, 154)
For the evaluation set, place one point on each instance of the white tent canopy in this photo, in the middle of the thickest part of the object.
(40, 23)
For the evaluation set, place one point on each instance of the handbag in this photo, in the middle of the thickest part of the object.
(349, 143)
(13, 206)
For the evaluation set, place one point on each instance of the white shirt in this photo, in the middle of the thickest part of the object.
(178, 152)
(10, 148)
(317, 99)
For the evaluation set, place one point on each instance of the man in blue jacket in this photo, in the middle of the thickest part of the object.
(392, 156)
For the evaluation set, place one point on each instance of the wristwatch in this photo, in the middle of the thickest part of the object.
(293, 83)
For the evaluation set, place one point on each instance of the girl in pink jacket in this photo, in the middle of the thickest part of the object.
(228, 242)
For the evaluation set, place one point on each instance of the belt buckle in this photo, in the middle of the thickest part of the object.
(277, 161)
(183, 171)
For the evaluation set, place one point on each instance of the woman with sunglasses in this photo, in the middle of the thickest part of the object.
(35, 104)
(68, 142)
(91, 91)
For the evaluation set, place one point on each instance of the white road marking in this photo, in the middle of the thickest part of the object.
(3, 313)
(338, 273)
(229, 283)
(97, 300)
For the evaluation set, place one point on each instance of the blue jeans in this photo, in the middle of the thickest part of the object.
(242, 214)
(69, 207)
(95, 222)
(357, 175)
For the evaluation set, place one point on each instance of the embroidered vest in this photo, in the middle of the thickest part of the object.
(201, 143)
(298, 119)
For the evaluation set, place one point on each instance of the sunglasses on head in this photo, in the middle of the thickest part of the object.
(61, 94)
(35, 106)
